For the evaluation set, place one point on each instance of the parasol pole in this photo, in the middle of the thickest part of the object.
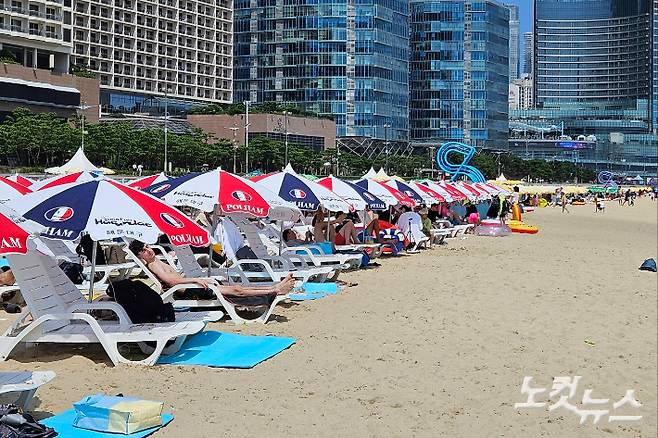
(280, 237)
(93, 271)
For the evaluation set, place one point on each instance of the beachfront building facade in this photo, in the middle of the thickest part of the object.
(459, 72)
(142, 50)
(346, 60)
(36, 33)
(35, 47)
(593, 79)
(514, 42)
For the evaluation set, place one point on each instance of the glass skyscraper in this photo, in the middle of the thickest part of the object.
(514, 42)
(459, 72)
(593, 78)
(654, 68)
(341, 58)
(592, 50)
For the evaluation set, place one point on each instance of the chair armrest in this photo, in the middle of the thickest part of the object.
(103, 305)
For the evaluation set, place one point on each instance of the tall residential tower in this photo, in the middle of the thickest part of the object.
(514, 42)
(141, 49)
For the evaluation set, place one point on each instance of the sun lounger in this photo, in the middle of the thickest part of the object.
(58, 314)
(188, 260)
(23, 383)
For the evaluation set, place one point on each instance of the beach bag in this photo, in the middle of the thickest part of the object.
(141, 303)
(16, 424)
(117, 414)
(73, 271)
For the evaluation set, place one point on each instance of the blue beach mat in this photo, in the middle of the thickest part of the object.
(63, 424)
(227, 350)
(313, 291)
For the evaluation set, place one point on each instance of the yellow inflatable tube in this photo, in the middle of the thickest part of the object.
(520, 227)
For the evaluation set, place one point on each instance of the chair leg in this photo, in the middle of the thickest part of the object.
(25, 399)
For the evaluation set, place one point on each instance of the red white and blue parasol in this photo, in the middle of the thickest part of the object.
(305, 194)
(11, 190)
(357, 196)
(388, 194)
(106, 209)
(233, 194)
(146, 181)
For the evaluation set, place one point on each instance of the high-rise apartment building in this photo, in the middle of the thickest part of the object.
(36, 33)
(348, 60)
(521, 93)
(593, 78)
(528, 53)
(514, 42)
(459, 72)
(142, 49)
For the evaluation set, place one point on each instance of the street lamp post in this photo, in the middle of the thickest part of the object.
(386, 144)
(285, 115)
(166, 128)
(83, 107)
(432, 148)
(235, 130)
(246, 135)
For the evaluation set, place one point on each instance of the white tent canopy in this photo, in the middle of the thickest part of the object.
(78, 163)
(370, 174)
(501, 177)
(381, 175)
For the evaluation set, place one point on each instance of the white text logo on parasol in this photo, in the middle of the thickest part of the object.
(368, 196)
(409, 193)
(11, 243)
(298, 194)
(59, 214)
(160, 189)
(241, 196)
(171, 220)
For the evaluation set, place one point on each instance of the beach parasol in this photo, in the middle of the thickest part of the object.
(144, 182)
(429, 196)
(11, 190)
(106, 210)
(477, 194)
(75, 177)
(357, 196)
(388, 194)
(15, 232)
(22, 180)
(437, 189)
(455, 193)
(407, 190)
(231, 193)
(305, 194)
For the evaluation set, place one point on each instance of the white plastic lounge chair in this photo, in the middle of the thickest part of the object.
(314, 255)
(191, 268)
(288, 261)
(25, 384)
(410, 224)
(58, 314)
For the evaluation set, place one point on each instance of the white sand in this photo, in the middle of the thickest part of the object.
(431, 345)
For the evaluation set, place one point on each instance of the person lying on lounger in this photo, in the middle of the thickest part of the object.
(169, 277)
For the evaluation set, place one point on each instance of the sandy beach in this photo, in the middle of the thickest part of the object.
(429, 345)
